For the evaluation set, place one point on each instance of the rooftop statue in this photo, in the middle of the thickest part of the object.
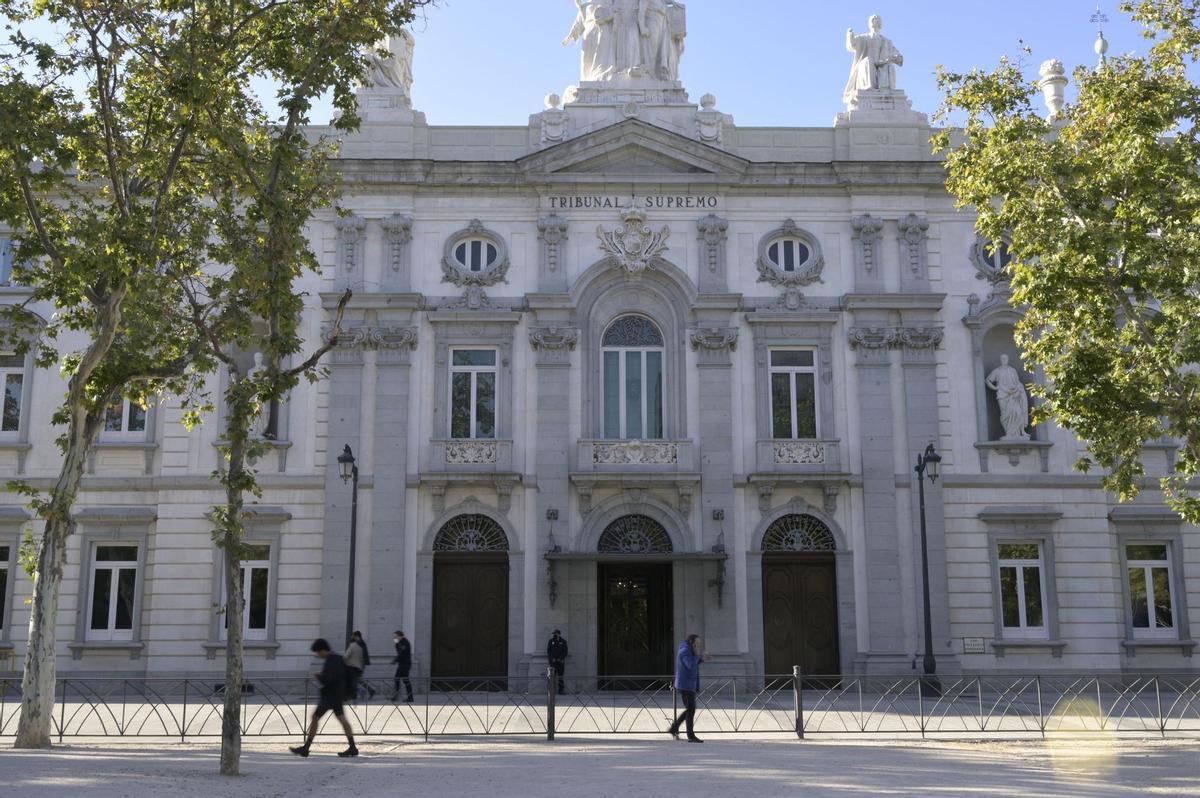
(875, 61)
(394, 71)
(629, 38)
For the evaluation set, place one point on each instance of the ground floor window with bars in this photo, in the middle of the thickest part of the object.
(1151, 604)
(113, 592)
(1022, 590)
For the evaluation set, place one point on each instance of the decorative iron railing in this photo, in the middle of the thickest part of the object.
(973, 707)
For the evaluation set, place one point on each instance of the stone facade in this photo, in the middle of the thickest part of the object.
(838, 245)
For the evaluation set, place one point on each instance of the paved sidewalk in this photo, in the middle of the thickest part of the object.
(526, 768)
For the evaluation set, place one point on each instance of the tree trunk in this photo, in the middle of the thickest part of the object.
(231, 718)
(38, 679)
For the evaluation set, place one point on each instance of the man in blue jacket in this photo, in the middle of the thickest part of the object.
(687, 682)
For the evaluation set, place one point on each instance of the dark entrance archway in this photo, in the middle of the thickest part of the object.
(800, 621)
(635, 603)
(470, 604)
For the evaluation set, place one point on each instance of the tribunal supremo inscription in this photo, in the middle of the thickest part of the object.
(649, 201)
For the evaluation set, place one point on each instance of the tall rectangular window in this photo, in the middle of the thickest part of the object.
(1022, 590)
(125, 419)
(4, 553)
(793, 374)
(633, 394)
(113, 592)
(1152, 607)
(12, 376)
(6, 260)
(256, 592)
(473, 393)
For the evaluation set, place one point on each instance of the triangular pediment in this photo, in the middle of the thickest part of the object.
(633, 148)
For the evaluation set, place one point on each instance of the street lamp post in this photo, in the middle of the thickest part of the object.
(930, 686)
(349, 470)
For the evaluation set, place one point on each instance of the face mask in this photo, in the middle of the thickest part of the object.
(395, 640)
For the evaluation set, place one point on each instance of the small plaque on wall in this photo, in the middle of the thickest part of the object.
(974, 645)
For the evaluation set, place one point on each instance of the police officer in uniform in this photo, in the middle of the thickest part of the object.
(556, 652)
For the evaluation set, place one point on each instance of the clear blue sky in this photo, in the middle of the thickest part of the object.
(769, 62)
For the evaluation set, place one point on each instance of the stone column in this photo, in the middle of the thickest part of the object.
(343, 427)
(553, 346)
(713, 347)
(885, 622)
(919, 360)
(385, 559)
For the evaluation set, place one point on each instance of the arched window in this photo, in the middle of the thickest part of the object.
(471, 533)
(798, 533)
(632, 352)
(635, 534)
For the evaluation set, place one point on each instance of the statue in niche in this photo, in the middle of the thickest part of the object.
(1012, 398)
(394, 71)
(875, 61)
(258, 425)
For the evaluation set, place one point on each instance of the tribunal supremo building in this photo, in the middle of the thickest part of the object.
(631, 371)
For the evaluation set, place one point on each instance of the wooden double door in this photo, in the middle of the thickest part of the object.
(635, 622)
(470, 619)
(800, 620)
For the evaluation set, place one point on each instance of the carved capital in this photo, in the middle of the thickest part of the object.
(873, 338)
(921, 337)
(714, 339)
(554, 338)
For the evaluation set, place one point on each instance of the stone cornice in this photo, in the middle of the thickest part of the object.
(893, 301)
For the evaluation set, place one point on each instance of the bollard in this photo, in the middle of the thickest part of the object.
(798, 698)
(551, 691)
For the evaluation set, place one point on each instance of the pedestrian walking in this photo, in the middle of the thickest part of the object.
(556, 652)
(687, 683)
(403, 663)
(356, 659)
(356, 637)
(334, 680)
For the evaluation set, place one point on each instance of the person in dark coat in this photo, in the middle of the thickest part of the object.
(334, 681)
(403, 663)
(687, 683)
(556, 652)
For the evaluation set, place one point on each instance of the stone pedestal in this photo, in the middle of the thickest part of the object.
(880, 125)
(880, 106)
(595, 104)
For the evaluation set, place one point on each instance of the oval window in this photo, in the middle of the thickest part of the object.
(788, 254)
(476, 254)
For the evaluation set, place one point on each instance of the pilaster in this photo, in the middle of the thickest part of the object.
(919, 342)
(714, 347)
(872, 343)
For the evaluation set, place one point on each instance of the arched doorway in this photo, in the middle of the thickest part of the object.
(470, 601)
(799, 578)
(635, 600)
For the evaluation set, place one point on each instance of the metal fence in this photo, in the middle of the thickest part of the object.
(972, 707)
